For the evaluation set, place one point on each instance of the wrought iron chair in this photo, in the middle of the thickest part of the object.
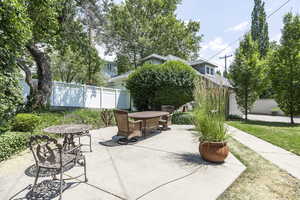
(85, 134)
(49, 154)
(127, 128)
(166, 121)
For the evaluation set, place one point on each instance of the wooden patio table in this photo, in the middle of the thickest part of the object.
(147, 117)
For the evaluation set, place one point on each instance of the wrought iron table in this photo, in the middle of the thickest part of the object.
(68, 131)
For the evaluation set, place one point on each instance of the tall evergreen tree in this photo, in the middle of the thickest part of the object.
(285, 70)
(259, 27)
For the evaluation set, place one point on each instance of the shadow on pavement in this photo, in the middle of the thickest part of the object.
(192, 159)
(45, 190)
(31, 171)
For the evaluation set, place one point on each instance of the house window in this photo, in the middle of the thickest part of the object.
(207, 70)
(211, 71)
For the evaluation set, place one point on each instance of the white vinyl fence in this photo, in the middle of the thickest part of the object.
(260, 106)
(233, 106)
(85, 96)
(265, 106)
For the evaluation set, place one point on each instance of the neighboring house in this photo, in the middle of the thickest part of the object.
(110, 69)
(202, 66)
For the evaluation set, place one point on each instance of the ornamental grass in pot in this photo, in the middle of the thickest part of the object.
(209, 118)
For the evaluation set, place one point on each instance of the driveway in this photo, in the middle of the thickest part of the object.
(270, 118)
(166, 165)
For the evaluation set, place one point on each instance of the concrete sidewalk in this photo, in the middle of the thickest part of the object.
(164, 166)
(283, 159)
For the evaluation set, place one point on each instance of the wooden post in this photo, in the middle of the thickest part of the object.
(101, 91)
(116, 104)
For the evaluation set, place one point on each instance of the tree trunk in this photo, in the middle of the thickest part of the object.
(292, 118)
(246, 105)
(39, 98)
(28, 78)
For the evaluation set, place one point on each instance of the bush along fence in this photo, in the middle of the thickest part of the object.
(85, 96)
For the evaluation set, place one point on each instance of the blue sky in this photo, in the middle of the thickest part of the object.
(223, 21)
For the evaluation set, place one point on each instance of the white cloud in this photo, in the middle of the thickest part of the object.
(214, 46)
(239, 27)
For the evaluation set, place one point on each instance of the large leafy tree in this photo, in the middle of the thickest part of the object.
(71, 66)
(123, 64)
(247, 74)
(45, 25)
(285, 70)
(75, 57)
(137, 28)
(14, 34)
(56, 25)
(259, 27)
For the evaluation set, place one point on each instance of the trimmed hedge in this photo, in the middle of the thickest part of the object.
(185, 118)
(171, 83)
(25, 122)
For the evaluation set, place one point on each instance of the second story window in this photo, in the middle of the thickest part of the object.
(207, 70)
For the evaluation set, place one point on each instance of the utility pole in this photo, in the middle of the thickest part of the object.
(225, 58)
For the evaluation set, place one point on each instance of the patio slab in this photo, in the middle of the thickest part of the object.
(165, 165)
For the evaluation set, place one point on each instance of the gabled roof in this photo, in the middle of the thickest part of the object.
(171, 57)
(201, 61)
(154, 56)
(163, 58)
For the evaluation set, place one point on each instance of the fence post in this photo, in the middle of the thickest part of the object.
(116, 104)
(101, 91)
(84, 95)
(53, 94)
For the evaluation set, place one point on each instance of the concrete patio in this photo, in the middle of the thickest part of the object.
(164, 166)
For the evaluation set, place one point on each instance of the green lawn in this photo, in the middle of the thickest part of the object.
(261, 180)
(281, 134)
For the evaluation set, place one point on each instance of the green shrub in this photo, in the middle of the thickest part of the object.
(12, 143)
(4, 128)
(182, 118)
(170, 83)
(25, 122)
(10, 94)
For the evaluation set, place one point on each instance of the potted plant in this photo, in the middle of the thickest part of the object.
(209, 118)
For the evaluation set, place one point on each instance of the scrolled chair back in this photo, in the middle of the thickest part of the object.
(45, 149)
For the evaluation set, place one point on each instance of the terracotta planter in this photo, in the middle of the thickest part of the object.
(214, 151)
